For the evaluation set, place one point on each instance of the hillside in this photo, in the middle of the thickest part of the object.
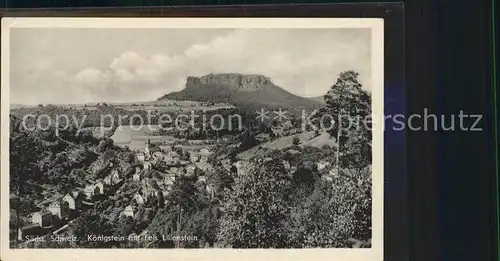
(247, 91)
(306, 139)
(62, 162)
(320, 99)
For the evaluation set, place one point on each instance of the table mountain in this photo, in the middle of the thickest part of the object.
(250, 91)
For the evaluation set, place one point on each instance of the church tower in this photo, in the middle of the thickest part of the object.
(146, 150)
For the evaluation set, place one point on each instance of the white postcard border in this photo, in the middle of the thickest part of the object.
(374, 253)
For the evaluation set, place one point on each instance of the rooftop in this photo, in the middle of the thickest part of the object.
(44, 212)
(129, 207)
(30, 227)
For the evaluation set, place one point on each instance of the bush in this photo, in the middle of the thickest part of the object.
(256, 208)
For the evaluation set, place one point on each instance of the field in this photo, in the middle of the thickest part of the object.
(171, 106)
(306, 139)
(159, 106)
(135, 136)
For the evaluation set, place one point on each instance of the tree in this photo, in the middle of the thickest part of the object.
(248, 141)
(255, 211)
(324, 218)
(347, 102)
(161, 200)
(296, 140)
(358, 151)
(126, 226)
(24, 153)
(92, 223)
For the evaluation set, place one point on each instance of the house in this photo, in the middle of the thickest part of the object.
(196, 142)
(148, 189)
(115, 177)
(286, 164)
(76, 193)
(31, 231)
(141, 156)
(147, 152)
(129, 211)
(180, 149)
(327, 177)
(202, 179)
(115, 173)
(150, 149)
(333, 172)
(204, 166)
(165, 193)
(59, 209)
(42, 218)
(169, 180)
(147, 165)
(234, 145)
(194, 156)
(190, 169)
(222, 157)
(278, 131)
(146, 182)
(323, 164)
(70, 200)
(107, 180)
(112, 179)
(148, 194)
(100, 186)
(210, 190)
(90, 191)
(287, 125)
(204, 154)
(172, 171)
(139, 199)
(136, 177)
(293, 151)
(226, 163)
(262, 137)
(177, 171)
(172, 157)
(158, 155)
(137, 169)
(242, 167)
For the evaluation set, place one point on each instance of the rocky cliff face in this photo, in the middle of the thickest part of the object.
(240, 82)
(247, 91)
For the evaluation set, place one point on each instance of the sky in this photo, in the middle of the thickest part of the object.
(77, 65)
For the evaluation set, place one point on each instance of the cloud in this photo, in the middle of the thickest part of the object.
(304, 62)
(92, 77)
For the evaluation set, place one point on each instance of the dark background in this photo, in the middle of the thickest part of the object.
(440, 186)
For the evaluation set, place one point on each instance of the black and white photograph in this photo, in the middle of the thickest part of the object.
(217, 134)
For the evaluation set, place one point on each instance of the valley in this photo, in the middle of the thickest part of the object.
(158, 180)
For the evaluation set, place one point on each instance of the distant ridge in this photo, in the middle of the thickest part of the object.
(243, 90)
(320, 99)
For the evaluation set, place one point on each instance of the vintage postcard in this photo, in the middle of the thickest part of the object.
(192, 138)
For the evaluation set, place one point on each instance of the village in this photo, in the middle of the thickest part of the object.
(173, 161)
(61, 211)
